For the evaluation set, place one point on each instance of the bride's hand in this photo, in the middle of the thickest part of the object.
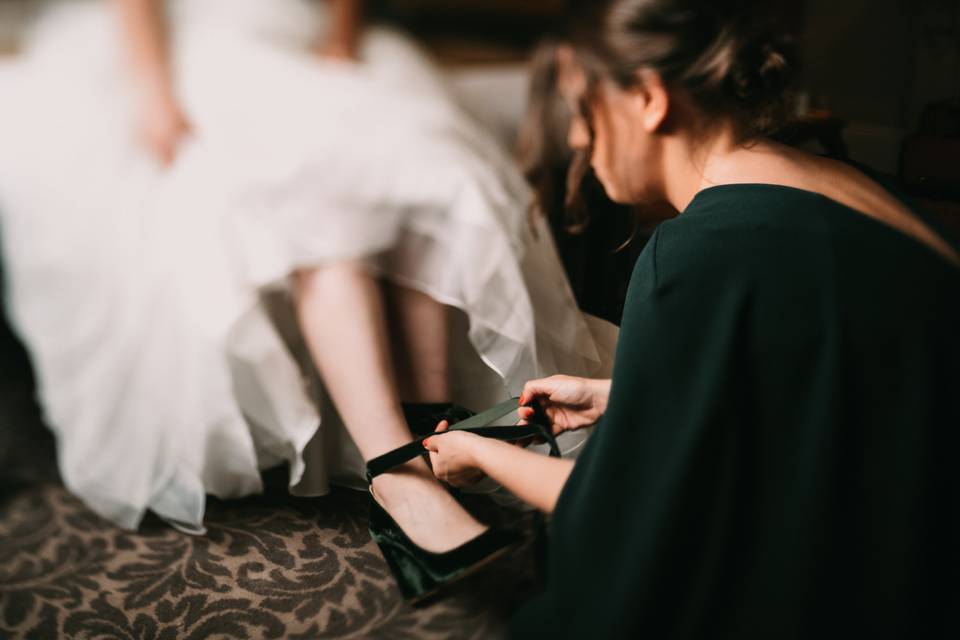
(342, 39)
(163, 125)
(339, 49)
(569, 403)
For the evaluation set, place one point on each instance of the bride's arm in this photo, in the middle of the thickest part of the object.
(145, 38)
(346, 24)
(162, 121)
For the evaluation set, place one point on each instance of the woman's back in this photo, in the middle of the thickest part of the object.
(775, 460)
(775, 164)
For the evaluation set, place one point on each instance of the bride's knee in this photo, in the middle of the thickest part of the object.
(314, 279)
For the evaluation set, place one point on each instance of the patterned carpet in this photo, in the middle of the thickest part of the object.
(271, 566)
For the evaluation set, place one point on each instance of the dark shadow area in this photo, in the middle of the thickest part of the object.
(27, 452)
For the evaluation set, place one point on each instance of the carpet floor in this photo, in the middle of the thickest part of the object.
(270, 566)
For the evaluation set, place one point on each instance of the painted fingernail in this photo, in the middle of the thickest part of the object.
(426, 444)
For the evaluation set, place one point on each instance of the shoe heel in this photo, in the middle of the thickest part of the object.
(415, 584)
(420, 573)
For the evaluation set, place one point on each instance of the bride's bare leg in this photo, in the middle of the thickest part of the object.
(419, 337)
(341, 313)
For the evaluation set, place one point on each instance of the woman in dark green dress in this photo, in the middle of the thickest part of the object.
(775, 457)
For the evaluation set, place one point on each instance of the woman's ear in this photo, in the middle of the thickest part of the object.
(653, 101)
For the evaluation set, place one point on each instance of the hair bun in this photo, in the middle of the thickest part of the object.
(759, 77)
(728, 57)
(761, 70)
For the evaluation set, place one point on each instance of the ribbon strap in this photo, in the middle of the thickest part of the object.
(480, 424)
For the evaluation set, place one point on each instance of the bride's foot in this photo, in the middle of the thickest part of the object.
(424, 509)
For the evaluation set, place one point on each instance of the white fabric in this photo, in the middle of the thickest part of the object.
(153, 302)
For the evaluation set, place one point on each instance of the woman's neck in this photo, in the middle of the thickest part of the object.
(693, 164)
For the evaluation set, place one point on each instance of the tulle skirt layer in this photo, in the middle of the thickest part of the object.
(155, 302)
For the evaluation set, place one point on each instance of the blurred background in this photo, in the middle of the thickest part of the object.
(880, 85)
(877, 64)
(877, 74)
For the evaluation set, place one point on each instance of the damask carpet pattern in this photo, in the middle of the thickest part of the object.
(270, 566)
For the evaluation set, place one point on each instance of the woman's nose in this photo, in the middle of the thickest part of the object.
(578, 136)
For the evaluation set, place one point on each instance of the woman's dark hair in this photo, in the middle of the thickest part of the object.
(721, 56)
(543, 151)
(728, 59)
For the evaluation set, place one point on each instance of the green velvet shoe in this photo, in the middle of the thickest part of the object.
(420, 573)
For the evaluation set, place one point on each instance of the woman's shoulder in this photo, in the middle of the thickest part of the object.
(770, 226)
(739, 228)
(757, 207)
(772, 244)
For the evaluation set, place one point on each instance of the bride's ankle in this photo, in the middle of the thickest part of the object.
(414, 476)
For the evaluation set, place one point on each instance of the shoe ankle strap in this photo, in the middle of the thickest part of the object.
(480, 424)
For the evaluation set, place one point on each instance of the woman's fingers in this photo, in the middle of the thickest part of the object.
(451, 460)
(534, 389)
(442, 426)
(554, 415)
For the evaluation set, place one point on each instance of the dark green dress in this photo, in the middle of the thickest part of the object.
(779, 458)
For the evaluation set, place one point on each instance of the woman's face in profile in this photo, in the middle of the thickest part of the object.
(624, 153)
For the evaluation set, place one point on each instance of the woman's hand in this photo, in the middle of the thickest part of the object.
(460, 458)
(163, 125)
(454, 456)
(569, 403)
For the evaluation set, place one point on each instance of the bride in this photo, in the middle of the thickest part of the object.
(230, 224)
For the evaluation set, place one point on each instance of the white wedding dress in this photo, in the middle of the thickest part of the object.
(154, 302)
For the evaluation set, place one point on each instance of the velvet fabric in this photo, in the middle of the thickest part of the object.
(778, 455)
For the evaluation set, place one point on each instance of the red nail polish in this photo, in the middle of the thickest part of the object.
(426, 444)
